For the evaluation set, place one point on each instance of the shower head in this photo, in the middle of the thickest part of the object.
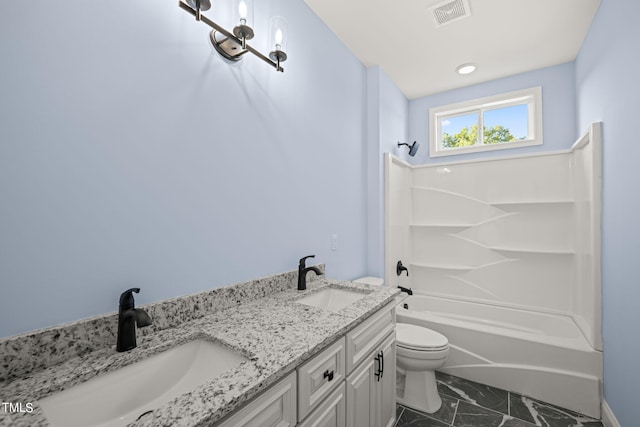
(413, 148)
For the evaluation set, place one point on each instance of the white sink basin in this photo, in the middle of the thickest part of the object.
(121, 397)
(331, 299)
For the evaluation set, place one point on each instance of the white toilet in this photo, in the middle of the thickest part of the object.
(420, 351)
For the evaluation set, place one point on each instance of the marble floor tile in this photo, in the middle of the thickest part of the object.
(399, 409)
(469, 404)
(544, 414)
(411, 418)
(474, 393)
(468, 415)
(446, 411)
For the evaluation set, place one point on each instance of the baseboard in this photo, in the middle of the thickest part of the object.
(608, 419)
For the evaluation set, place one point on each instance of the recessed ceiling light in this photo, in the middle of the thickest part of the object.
(466, 68)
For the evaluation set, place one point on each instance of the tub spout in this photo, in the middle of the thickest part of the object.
(407, 290)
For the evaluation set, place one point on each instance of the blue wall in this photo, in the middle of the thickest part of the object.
(558, 115)
(132, 155)
(387, 124)
(608, 91)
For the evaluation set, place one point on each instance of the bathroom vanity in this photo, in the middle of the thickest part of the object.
(305, 358)
(351, 382)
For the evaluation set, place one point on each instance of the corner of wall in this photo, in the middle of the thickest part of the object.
(608, 417)
(387, 124)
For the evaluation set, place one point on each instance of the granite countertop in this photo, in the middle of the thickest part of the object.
(274, 333)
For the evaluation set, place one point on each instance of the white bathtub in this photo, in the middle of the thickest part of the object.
(544, 356)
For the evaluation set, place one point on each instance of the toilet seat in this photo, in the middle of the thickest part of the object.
(413, 337)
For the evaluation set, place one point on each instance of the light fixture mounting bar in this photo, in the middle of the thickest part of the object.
(228, 34)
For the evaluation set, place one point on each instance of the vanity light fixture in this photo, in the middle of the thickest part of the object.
(466, 68)
(233, 45)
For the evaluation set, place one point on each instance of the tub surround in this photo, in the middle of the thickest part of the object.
(528, 241)
(259, 319)
(513, 265)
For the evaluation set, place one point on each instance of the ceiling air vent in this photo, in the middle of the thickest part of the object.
(449, 11)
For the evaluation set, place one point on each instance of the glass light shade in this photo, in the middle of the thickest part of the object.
(278, 33)
(243, 10)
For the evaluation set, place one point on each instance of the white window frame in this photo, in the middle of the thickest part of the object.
(531, 96)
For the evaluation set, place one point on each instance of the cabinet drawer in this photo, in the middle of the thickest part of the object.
(365, 337)
(330, 413)
(275, 407)
(319, 376)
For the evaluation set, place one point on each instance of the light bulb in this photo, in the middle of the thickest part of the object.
(278, 38)
(242, 11)
(466, 68)
(279, 35)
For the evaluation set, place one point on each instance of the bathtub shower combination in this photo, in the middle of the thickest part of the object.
(504, 260)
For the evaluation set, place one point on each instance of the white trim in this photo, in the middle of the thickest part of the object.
(608, 418)
(389, 160)
(397, 160)
(531, 96)
(580, 143)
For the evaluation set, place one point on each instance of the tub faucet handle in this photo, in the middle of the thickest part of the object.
(400, 268)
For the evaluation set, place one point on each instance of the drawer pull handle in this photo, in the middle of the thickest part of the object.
(380, 359)
(328, 374)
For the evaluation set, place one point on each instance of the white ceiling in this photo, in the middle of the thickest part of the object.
(503, 37)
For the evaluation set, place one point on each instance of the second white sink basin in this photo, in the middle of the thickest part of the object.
(121, 397)
(331, 299)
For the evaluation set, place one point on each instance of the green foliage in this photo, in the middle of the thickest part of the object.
(461, 139)
(466, 136)
(497, 134)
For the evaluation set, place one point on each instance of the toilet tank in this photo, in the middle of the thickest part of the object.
(370, 281)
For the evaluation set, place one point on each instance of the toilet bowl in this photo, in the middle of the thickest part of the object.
(420, 351)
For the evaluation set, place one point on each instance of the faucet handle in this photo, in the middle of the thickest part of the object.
(400, 268)
(304, 259)
(126, 299)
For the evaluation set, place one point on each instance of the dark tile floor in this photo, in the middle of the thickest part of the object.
(470, 404)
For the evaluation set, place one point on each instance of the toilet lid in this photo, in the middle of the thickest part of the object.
(418, 338)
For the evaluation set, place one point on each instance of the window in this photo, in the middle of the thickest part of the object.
(508, 120)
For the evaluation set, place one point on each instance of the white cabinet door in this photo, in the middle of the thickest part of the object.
(371, 388)
(386, 387)
(276, 407)
(330, 413)
(361, 395)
